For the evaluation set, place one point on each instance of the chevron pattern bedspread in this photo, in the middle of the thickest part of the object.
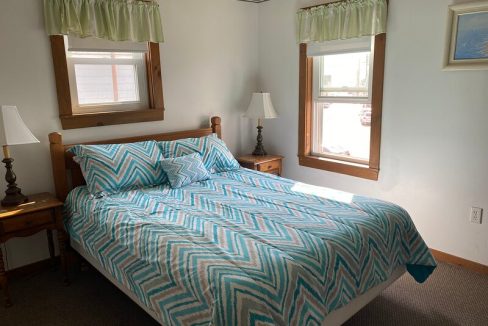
(246, 248)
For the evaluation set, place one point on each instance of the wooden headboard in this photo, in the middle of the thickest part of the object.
(67, 173)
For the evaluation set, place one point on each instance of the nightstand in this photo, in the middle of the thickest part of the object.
(40, 212)
(267, 163)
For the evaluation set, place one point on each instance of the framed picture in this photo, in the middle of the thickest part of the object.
(467, 40)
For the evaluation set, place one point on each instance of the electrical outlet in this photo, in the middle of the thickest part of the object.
(476, 215)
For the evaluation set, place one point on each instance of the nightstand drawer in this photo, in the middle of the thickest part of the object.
(268, 166)
(27, 221)
(267, 163)
(275, 172)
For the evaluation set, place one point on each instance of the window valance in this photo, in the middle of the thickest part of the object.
(342, 20)
(114, 20)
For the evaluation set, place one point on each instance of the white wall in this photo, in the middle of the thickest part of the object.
(434, 154)
(209, 61)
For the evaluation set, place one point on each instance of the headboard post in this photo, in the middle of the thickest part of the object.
(216, 126)
(59, 165)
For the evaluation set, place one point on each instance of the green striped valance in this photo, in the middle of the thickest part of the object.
(342, 20)
(114, 20)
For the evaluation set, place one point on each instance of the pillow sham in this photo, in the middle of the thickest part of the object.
(184, 170)
(214, 153)
(109, 169)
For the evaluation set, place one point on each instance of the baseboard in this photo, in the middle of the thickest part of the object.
(32, 268)
(468, 264)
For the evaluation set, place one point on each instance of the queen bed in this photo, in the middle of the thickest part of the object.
(241, 247)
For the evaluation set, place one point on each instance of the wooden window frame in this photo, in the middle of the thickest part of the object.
(71, 120)
(305, 157)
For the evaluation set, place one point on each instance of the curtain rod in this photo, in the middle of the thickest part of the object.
(323, 4)
(330, 2)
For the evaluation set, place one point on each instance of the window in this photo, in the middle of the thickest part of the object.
(342, 102)
(341, 98)
(102, 82)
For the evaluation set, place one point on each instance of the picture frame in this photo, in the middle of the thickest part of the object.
(467, 37)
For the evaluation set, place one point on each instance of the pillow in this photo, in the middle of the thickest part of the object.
(215, 155)
(109, 169)
(184, 170)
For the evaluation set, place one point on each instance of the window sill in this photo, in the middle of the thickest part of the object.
(110, 118)
(355, 170)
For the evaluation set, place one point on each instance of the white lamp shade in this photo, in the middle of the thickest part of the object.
(14, 132)
(261, 107)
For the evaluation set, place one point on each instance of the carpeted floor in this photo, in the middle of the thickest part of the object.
(452, 296)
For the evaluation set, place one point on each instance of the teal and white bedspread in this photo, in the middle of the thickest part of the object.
(246, 248)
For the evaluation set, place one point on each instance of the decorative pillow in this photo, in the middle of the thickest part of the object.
(113, 168)
(184, 170)
(215, 155)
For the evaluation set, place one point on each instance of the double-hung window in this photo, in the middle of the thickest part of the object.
(342, 100)
(341, 90)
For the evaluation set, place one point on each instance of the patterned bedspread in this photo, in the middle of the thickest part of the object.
(246, 248)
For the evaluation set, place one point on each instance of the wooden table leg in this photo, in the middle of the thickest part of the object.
(3, 282)
(62, 242)
(50, 243)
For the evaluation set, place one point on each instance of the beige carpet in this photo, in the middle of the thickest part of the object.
(452, 296)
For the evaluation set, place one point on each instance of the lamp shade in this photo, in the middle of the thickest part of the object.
(261, 107)
(14, 130)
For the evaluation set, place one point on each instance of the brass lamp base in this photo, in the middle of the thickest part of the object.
(14, 194)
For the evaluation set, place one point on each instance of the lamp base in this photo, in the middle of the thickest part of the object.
(14, 199)
(14, 194)
(259, 150)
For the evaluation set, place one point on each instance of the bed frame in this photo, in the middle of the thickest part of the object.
(67, 176)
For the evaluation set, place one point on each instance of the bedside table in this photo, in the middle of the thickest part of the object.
(40, 212)
(267, 163)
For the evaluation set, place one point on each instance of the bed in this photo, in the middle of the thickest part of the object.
(242, 248)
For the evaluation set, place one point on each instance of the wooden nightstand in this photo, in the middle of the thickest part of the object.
(267, 163)
(40, 212)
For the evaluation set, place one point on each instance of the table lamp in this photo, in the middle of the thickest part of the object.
(260, 108)
(14, 132)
